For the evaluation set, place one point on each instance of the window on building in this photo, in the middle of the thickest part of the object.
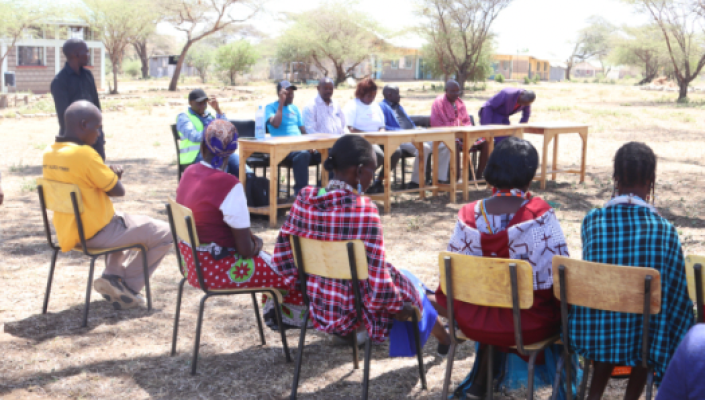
(505, 65)
(545, 66)
(395, 64)
(30, 56)
(409, 62)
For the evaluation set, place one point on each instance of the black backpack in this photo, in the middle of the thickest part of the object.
(257, 191)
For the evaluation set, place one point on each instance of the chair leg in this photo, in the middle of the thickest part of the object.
(49, 280)
(177, 314)
(650, 383)
(89, 286)
(449, 370)
(299, 358)
(557, 379)
(582, 391)
(403, 172)
(259, 320)
(568, 374)
(366, 372)
(147, 289)
(277, 313)
(355, 349)
(288, 181)
(419, 353)
(530, 385)
(197, 342)
(490, 372)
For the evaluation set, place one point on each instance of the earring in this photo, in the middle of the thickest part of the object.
(614, 190)
(359, 188)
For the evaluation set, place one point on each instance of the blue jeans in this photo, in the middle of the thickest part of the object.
(233, 164)
(300, 161)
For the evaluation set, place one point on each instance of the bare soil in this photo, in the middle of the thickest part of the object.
(125, 354)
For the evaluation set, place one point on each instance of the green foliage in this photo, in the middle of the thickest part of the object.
(537, 78)
(133, 68)
(527, 81)
(201, 57)
(499, 78)
(235, 57)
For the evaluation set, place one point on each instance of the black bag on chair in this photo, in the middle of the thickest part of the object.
(257, 191)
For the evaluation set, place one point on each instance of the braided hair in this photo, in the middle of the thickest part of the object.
(349, 151)
(634, 164)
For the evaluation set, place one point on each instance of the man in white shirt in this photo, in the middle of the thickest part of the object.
(323, 114)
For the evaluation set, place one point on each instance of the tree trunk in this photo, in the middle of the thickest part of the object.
(141, 50)
(461, 77)
(173, 84)
(116, 65)
(683, 90)
(567, 71)
(339, 74)
(232, 79)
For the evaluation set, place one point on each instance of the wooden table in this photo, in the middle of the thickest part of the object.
(278, 148)
(392, 140)
(469, 134)
(550, 132)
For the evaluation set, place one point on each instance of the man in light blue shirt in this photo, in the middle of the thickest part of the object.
(284, 119)
(192, 123)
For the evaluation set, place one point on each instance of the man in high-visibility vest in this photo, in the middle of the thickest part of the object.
(191, 125)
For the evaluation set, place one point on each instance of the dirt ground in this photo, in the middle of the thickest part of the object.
(125, 355)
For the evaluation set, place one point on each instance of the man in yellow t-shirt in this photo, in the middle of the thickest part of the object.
(71, 159)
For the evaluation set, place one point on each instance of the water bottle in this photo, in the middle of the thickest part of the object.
(259, 124)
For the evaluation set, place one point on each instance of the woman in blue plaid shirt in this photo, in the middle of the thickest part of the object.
(629, 231)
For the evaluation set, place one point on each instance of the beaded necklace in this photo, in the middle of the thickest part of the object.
(502, 193)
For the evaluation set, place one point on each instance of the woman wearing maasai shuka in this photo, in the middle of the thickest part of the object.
(512, 224)
(629, 231)
(230, 254)
(339, 213)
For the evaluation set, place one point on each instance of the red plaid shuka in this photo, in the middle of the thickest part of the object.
(342, 215)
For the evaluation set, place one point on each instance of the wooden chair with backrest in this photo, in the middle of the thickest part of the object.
(183, 228)
(694, 274)
(328, 259)
(491, 282)
(66, 198)
(605, 287)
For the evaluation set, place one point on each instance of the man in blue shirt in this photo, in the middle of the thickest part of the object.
(284, 119)
(191, 126)
(396, 118)
(684, 376)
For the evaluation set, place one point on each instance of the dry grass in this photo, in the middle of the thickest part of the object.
(126, 354)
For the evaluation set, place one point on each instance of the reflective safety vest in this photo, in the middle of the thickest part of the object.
(188, 150)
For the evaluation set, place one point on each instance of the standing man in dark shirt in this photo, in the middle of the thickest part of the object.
(74, 83)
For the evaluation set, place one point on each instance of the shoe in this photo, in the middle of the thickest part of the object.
(348, 341)
(444, 182)
(412, 185)
(377, 187)
(443, 350)
(114, 290)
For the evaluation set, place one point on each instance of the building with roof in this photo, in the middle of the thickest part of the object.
(37, 56)
(517, 67)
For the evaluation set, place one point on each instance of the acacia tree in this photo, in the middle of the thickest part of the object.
(235, 57)
(642, 46)
(15, 18)
(459, 30)
(119, 23)
(201, 58)
(682, 23)
(334, 36)
(198, 19)
(588, 44)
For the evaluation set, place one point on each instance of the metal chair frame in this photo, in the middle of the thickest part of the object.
(303, 277)
(567, 353)
(209, 293)
(699, 292)
(84, 249)
(518, 336)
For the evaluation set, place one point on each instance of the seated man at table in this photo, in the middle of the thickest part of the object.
(396, 118)
(72, 160)
(496, 111)
(190, 125)
(323, 114)
(449, 110)
(284, 119)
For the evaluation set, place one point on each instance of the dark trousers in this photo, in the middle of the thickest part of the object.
(379, 152)
(300, 161)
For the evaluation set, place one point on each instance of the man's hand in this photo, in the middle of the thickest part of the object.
(282, 97)
(213, 102)
(118, 170)
(406, 313)
(259, 244)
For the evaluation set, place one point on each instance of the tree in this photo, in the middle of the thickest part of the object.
(642, 46)
(148, 44)
(593, 41)
(458, 30)
(198, 19)
(332, 35)
(119, 23)
(201, 58)
(235, 57)
(682, 23)
(16, 17)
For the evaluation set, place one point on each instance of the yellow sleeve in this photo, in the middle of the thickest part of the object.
(99, 174)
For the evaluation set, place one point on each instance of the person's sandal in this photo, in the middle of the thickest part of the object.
(115, 292)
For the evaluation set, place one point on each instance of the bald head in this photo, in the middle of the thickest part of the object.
(76, 52)
(326, 87)
(391, 94)
(83, 120)
(452, 90)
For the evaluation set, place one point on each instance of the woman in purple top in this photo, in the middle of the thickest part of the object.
(496, 111)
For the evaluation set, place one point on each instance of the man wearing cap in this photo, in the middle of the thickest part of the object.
(191, 125)
(284, 119)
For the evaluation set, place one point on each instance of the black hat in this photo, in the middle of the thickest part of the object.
(286, 85)
(197, 95)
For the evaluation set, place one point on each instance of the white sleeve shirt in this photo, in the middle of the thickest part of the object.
(234, 207)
